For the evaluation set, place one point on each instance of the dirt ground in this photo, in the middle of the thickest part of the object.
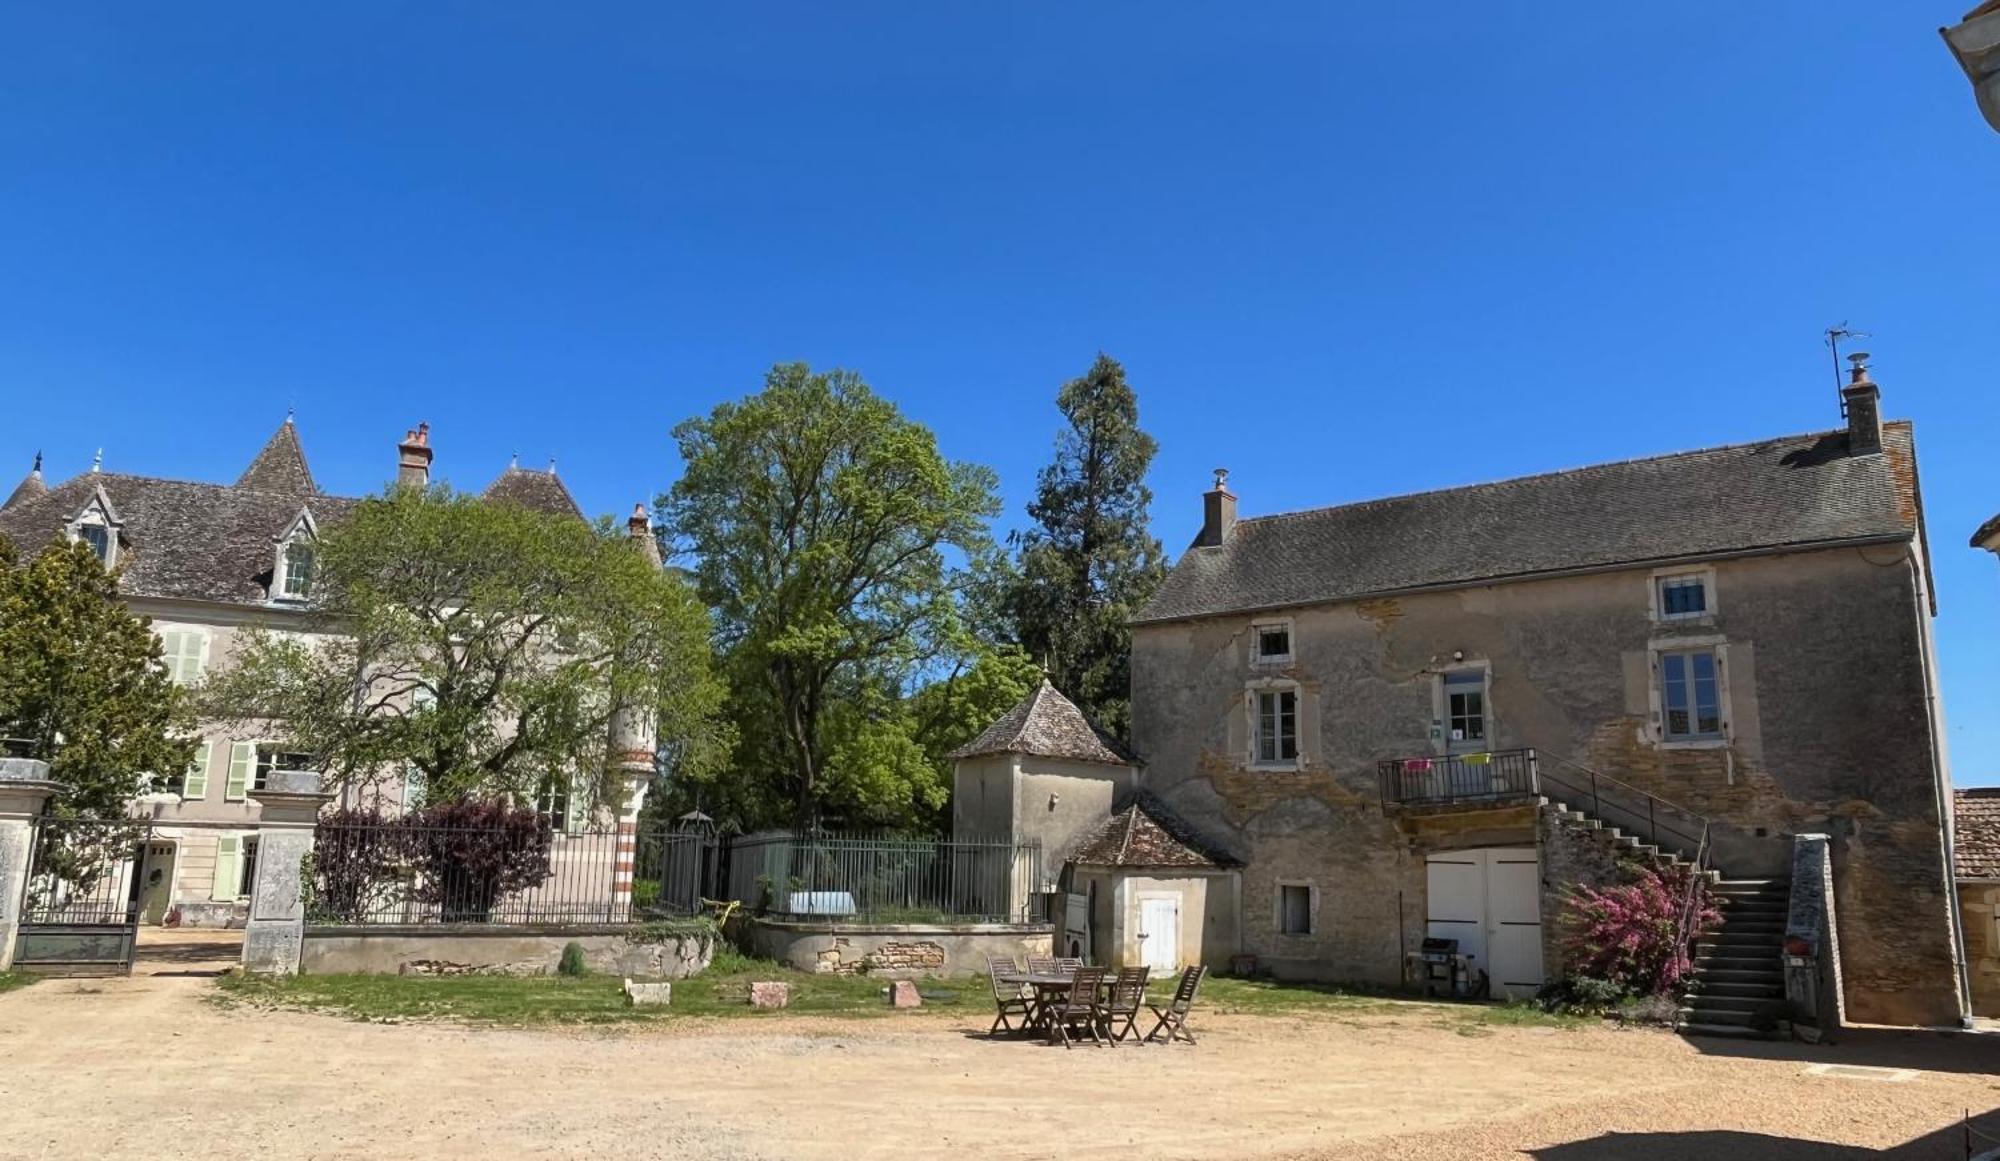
(145, 1067)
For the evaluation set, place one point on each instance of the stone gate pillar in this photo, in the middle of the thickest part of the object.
(272, 940)
(24, 790)
(631, 746)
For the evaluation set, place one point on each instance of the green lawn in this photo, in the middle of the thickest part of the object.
(11, 980)
(724, 991)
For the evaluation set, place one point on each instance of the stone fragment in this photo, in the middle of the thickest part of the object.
(770, 994)
(638, 995)
(903, 994)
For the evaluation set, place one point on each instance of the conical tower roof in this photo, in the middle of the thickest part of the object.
(1046, 724)
(30, 486)
(281, 466)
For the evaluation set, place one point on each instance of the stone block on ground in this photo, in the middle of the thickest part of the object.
(903, 994)
(638, 995)
(770, 994)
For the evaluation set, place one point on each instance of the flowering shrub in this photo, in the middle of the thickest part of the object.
(469, 854)
(1626, 934)
(355, 856)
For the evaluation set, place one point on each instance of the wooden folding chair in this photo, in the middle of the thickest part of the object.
(1173, 1017)
(1041, 965)
(1068, 964)
(1119, 1013)
(1008, 999)
(1077, 1008)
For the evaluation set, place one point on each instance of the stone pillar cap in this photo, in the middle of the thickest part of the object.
(27, 770)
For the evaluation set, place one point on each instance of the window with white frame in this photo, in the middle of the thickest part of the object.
(295, 571)
(184, 653)
(1690, 695)
(1275, 726)
(1271, 642)
(1682, 596)
(1295, 909)
(277, 756)
(552, 802)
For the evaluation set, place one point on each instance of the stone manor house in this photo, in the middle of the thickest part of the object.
(203, 560)
(1432, 715)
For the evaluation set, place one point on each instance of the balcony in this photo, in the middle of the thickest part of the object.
(1459, 778)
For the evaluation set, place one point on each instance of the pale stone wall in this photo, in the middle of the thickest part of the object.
(892, 949)
(1830, 728)
(458, 949)
(1979, 905)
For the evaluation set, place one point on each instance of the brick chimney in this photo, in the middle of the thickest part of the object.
(1218, 512)
(1862, 400)
(413, 457)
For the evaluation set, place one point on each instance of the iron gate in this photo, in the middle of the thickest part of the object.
(81, 912)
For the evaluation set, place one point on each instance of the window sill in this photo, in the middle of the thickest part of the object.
(1277, 767)
(1693, 743)
(1272, 662)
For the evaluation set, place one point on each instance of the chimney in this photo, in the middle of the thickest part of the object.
(1862, 401)
(1218, 512)
(639, 529)
(413, 458)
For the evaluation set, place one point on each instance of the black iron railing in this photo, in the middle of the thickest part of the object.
(84, 870)
(1452, 777)
(886, 878)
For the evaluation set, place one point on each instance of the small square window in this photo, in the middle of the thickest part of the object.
(1682, 597)
(1274, 642)
(1294, 909)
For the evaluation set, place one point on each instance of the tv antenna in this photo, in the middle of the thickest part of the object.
(1834, 334)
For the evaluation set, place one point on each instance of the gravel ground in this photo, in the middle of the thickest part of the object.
(146, 1067)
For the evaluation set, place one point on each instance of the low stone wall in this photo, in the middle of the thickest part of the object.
(894, 949)
(482, 949)
(194, 913)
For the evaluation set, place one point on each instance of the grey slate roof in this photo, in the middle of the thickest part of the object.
(1793, 491)
(31, 486)
(281, 466)
(539, 491)
(1976, 832)
(1045, 724)
(1146, 834)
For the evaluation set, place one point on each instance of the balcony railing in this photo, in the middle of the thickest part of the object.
(1455, 777)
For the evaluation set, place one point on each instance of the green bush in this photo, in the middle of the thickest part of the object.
(571, 963)
(1581, 996)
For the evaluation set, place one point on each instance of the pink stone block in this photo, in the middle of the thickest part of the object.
(770, 994)
(903, 994)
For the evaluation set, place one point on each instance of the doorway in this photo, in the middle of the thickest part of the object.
(156, 891)
(1489, 900)
(1160, 933)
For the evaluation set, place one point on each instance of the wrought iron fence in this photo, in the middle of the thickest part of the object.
(886, 878)
(84, 870)
(1496, 774)
(396, 871)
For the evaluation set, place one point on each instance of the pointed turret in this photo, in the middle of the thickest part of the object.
(639, 527)
(281, 466)
(30, 487)
(541, 491)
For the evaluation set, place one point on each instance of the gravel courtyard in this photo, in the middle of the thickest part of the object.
(148, 1067)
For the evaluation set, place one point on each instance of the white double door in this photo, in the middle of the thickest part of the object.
(1489, 900)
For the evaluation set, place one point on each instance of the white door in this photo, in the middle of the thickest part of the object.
(1160, 934)
(1489, 900)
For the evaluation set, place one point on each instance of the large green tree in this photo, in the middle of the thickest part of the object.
(830, 537)
(484, 644)
(82, 685)
(1089, 562)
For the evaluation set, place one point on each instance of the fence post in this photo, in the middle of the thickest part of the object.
(24, 790)
(290, 802)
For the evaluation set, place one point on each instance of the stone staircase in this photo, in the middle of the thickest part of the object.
(1739, 972)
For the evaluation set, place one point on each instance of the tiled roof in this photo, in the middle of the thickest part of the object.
(280, 467)
(31, 486)
(1048, 725)
(539, 491)
(1976, 832)
(1146, 834)
(1794, 491)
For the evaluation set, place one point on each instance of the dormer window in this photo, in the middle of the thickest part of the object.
(295, 578)
(98, 537)
(97, 528)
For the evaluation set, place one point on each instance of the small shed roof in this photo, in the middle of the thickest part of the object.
(1146, 834)
(1976, 832)
(1046, 724)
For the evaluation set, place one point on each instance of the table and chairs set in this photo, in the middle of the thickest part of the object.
(1066, 1001)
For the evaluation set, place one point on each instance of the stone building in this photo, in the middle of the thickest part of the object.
(202, 561)
(1976, 837)
(1430, 714)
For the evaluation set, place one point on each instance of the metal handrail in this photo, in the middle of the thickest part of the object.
(1653, 803)
(1685, 919)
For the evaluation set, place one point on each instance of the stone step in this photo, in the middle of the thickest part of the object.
(1716, 1016)
(1771, 989)
(1706, 962)
(1709, 1004)
(1731, 937)
(1754, 887)
(1730, 1031)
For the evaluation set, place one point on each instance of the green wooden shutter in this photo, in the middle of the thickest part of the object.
(576, 809)
(242, 759)
(194, 785)
(228, 868)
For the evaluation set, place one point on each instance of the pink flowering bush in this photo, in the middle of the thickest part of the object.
(1626, 934)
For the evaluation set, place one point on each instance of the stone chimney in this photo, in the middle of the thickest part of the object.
(1863, 402)
(413, 457)
(639, 529)
(1218, 512)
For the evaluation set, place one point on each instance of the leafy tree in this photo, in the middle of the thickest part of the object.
(484, 644)
(824, 526)
(82, 685)
(1089, 563)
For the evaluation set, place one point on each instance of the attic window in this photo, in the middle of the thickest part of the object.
(295, 572)
(98, 537)
(1271, 643)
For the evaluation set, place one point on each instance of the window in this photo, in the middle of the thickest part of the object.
(272, 756)
(184, 653)
(295, 578)
(413, 787)
(1271, 643)
(194, 783)
(552, 803)
(1294, 909)
(1690, 695)
(1465, 707)
(98, 537)
(1683, 596)
(1277, 726)
(248, 879)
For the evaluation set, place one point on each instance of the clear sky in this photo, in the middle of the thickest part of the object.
(1345, 251)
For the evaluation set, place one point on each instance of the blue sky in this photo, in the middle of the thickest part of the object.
(1344, 250)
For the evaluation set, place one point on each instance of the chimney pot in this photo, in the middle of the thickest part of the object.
(413, 457)
(1863, 402)
(1218, 512)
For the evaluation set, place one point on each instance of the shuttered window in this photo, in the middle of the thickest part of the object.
(184, 652)
(242, 761)
(228, 878)
(194, 784)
